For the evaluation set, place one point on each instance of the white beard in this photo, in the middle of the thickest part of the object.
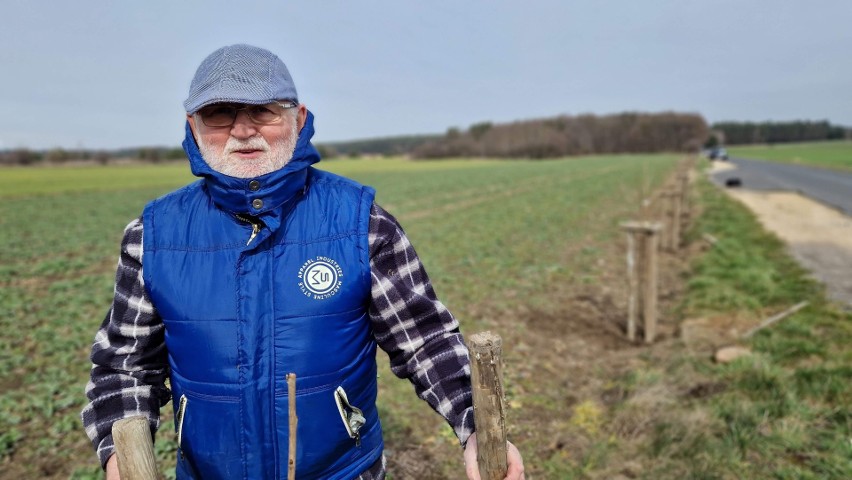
(273, 158)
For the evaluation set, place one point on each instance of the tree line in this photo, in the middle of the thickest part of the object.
(738, 133)
(535, 139)
(59, 156)
(385, 146)
(572, 135)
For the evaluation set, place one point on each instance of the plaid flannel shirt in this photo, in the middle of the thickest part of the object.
(419, 334)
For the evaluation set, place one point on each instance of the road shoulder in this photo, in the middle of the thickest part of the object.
(819, 237)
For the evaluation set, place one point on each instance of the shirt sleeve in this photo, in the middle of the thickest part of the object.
(419, 334)
(129, 361)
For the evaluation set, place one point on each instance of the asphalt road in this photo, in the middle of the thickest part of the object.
(827, 186)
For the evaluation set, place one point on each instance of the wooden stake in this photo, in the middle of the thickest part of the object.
(676, 220)
(663, 242)
(642, 276)
(649, 300)
(489, 406)
(294, 422)
(684, 192)
(633, 285)
(135, 449)
(671, 212)
(775, 318)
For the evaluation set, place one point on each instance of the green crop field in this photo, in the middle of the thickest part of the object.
(529, 249)
(830, 154)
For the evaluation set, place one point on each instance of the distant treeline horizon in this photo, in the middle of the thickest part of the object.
(563, 135)
(741, 133)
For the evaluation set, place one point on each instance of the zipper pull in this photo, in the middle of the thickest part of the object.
(256, 225)
(352, 416)
(255, 228)
(179, 417)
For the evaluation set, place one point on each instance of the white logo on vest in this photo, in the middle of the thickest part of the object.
(320, 278)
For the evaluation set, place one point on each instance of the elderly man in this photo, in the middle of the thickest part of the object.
(263, 267)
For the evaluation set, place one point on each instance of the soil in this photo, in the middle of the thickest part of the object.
(818, 236)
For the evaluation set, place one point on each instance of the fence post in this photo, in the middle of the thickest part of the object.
(649, 297)
(489, 406)
(632, 280)
(642, 273)
(676, 197)
(684, 192)
(670, 201)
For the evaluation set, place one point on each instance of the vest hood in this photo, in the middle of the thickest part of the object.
(273, 189)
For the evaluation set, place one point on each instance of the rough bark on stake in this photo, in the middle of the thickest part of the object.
(135, 449)
(489, 406)
(294, 422)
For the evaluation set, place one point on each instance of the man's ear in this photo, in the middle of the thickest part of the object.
(191, 120)
(302, 116)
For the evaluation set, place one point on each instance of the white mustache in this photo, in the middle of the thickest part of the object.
(253, 143)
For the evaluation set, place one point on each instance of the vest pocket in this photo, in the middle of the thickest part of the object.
(339, 434)
(352, 416)
(208, 436)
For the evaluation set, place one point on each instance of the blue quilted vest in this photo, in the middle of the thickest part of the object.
(244, 306)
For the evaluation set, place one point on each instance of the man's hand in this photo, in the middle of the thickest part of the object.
(112, 468)
(513, 459)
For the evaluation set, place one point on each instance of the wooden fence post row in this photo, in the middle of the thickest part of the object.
(642, 246)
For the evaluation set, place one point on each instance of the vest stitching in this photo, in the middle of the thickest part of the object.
(241, 362)
(321, 314)
(240, 246)
(275, 441)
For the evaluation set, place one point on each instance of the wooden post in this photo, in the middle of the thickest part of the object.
(684, 193)
(775, 318)
(294, 422)
(632, 282)
(663, 242)
(676, 220)
(670, 239)
(642, 276)
(135, 449)
(489, 406)
(649, 300)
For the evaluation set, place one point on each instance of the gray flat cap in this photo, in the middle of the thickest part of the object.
(240, 73)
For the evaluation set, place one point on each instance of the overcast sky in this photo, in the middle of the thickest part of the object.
(107, 74)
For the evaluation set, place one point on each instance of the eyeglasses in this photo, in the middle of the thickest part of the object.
(224, 114)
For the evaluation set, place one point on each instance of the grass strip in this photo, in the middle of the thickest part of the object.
(783, 412)
(835, 154)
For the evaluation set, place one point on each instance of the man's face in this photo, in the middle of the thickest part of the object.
(247, 149)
